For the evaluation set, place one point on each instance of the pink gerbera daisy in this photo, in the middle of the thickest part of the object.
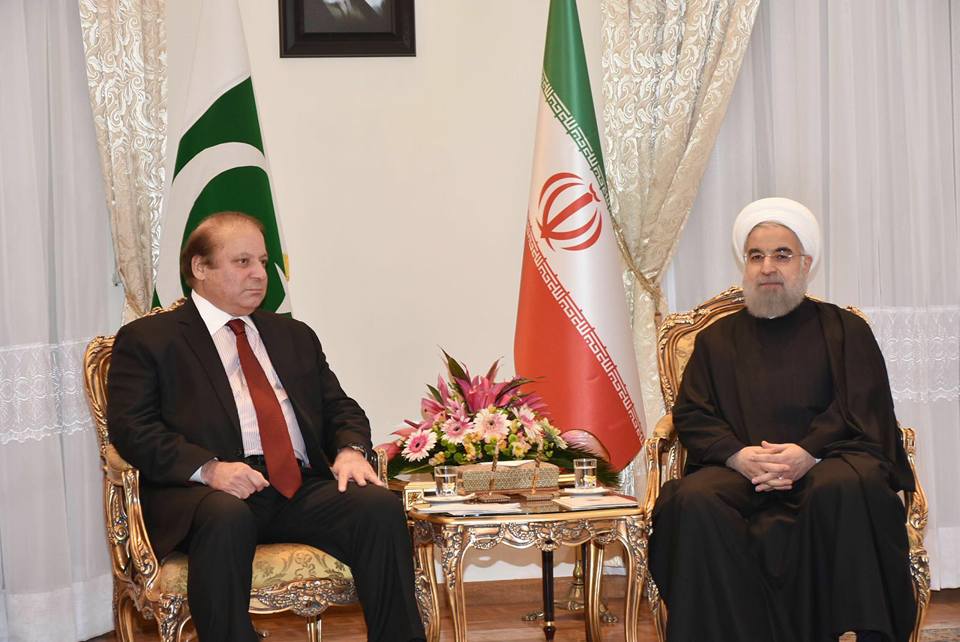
(419, 444)
(491, 424)
(455, 428)
(528, 421)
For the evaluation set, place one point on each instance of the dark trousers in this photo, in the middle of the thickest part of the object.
(804, 565)
(365, 528)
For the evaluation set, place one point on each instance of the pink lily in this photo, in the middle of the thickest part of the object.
(481, 392)
(431, 409)
(444, 390)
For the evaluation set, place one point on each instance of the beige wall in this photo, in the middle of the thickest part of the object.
(401, 185)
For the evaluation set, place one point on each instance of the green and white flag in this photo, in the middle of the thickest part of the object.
(215, 153)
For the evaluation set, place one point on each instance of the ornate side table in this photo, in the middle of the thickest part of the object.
(544, 525)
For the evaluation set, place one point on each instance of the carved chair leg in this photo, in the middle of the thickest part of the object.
(124, 614)
(172, 616)
(313, 628)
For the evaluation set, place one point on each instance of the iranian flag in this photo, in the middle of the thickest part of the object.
(573, 336)
(215, 154)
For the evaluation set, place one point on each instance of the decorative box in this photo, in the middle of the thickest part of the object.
(511, 475)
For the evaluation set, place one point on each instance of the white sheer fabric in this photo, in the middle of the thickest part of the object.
(848, 106)
(55, 285)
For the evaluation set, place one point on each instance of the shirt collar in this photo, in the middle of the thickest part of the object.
(213, 317)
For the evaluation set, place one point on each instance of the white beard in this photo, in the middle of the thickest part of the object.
(774, 303)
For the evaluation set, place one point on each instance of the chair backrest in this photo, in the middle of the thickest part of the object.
(677, 333)
(131, 554)
(96, 366)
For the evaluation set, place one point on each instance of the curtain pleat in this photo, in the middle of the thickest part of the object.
(125, 49)
(670, 67)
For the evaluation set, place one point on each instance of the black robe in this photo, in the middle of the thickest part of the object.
(804, 565)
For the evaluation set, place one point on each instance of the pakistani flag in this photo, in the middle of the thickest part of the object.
(215, 153)
(573, 335)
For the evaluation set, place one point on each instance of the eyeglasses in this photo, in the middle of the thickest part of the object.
(780, 257)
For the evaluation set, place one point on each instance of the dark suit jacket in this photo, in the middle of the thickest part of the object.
(170, 408)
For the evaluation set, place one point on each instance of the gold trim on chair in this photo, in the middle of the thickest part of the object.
(665, 457)
(287, 577)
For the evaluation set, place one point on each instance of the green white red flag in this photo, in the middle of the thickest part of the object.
(215, 153)
(573, 335)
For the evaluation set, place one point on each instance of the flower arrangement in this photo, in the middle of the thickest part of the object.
(465, 420)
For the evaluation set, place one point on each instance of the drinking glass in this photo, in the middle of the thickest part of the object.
(585, 473)
(446, 478)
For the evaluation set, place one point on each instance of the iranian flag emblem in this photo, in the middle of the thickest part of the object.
(573, 335)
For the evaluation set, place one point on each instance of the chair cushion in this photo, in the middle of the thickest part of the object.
(273, 564)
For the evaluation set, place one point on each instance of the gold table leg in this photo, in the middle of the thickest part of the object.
(451, 560)
(591, 610)
(426, 568)
(632, 529)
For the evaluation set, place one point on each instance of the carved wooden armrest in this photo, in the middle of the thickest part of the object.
(656, 447)
(917, 510)
(129, 537)
(380, 463)
(114, 465)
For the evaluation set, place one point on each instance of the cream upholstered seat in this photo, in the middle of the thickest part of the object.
(286, 577)
(665, 457)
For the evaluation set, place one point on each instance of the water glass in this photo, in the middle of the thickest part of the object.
(585, 473)
(446, 478)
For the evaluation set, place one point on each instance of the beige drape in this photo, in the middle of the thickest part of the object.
(125, 47)
(669, 68)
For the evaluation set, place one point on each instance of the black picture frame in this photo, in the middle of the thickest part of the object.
(308, 29)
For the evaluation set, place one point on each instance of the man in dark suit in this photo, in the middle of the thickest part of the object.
(233, 417)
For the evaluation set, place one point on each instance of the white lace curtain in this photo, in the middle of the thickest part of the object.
(55, 285)
(849, 107)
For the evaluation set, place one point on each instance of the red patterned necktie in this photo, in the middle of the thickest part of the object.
(282, 466)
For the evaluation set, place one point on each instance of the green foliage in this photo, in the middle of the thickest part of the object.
(561, 458)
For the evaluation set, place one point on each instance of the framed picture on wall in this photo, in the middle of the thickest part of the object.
(312, 28)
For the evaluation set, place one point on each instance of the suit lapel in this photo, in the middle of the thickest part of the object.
(198, 338)
(278, 344)
(282, 353)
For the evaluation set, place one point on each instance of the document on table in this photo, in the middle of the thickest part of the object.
(594, 502)
(469, 509)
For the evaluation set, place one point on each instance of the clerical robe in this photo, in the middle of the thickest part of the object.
(804, 565)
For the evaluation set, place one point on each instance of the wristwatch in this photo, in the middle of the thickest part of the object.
(360, 449)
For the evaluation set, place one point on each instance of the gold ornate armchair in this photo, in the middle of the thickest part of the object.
(665, 457)
(286, 577)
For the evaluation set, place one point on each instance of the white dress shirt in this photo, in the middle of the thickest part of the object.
(226, 342)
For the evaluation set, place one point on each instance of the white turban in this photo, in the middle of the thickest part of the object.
(785, 212)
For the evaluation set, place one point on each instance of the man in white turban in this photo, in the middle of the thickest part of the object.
(787, 525)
